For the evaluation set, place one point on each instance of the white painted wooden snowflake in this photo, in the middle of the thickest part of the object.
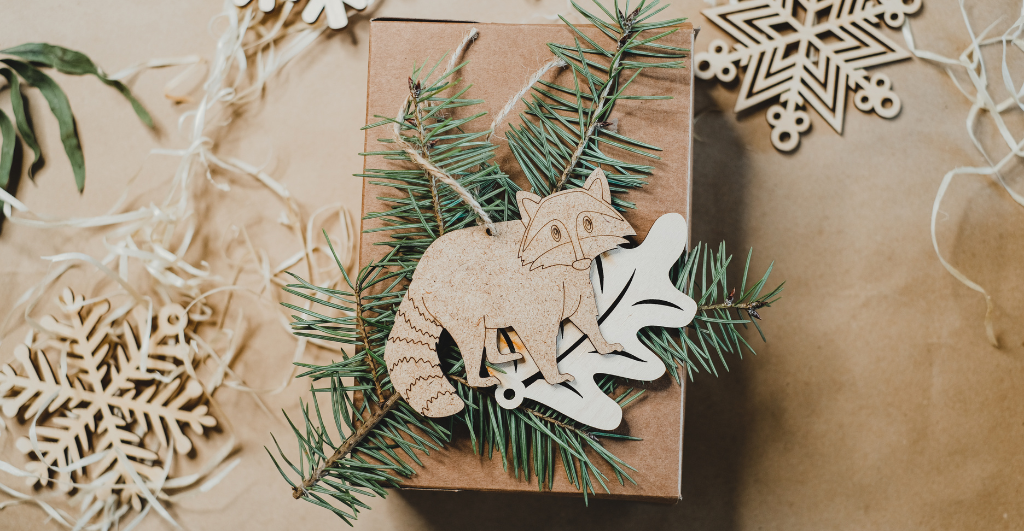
(632, 290)
(337, 18)
(105, 409)
(807, 52)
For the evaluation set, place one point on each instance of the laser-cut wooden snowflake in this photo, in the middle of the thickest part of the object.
(337, 18)
(807, 52)
(100, 396)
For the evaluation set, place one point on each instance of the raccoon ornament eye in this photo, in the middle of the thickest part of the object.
(556, 234)
(588, 224)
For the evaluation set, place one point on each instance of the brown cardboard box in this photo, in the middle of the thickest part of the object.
(500, 61)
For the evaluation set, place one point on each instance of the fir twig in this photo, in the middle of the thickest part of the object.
(565, 131)
(347, 446)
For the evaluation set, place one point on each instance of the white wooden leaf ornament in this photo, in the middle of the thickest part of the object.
(337, 18)
(97, 397)
(807, 53)
(633, 291)
(544, 278)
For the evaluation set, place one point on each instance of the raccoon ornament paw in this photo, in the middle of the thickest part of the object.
(482, 382)
(609, 348)
(562, 377)
(503, 358)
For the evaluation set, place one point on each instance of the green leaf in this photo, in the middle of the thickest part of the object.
(21, 118)
(77, 64)
(6, 150)
(61, 110)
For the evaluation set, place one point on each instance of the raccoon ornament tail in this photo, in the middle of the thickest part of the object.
(411, 355)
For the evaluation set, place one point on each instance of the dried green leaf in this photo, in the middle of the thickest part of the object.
(21, 118)
(6, 150)
(77, 64)
(61, 110)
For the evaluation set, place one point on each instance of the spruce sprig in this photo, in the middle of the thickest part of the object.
(566, 132)
(378, 435)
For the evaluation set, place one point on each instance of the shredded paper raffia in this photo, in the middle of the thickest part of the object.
(971, 63)
(152, 386)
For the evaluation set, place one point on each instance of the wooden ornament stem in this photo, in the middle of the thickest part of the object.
(730, 306)
(424, 160)
(346, 447)
(366, 345)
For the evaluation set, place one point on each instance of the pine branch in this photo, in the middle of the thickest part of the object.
(616, 68)
(347, 446)
(716, 329)
(414, 101)
(538, 414)
(565, 130)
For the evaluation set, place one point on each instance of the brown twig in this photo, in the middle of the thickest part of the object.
(346, 447)
(546, 418)
(601, 102)
(361, 325)
(731, 306)
(421, 157)
(414, 89)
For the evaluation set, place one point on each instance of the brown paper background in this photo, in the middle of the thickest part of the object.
(876, 404)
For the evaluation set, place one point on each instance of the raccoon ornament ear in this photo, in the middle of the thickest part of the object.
(597, 186)
(528, 204)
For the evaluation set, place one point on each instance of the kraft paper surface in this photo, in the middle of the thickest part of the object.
(877, 402)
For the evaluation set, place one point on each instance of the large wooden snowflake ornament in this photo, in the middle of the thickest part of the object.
(337, 17)
(106, 409)
(807, 52)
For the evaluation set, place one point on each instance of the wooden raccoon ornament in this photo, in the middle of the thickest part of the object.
(532, 275)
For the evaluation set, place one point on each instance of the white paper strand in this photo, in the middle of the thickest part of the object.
(973, 64)
(147, 235)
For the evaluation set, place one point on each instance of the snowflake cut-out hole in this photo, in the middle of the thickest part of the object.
(807, 53)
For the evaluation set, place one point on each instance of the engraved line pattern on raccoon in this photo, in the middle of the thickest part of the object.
(530, 276)
(411, 357)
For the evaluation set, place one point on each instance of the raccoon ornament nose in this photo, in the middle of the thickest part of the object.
(582, 264)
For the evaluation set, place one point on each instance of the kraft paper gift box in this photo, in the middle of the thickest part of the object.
(501, 60)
